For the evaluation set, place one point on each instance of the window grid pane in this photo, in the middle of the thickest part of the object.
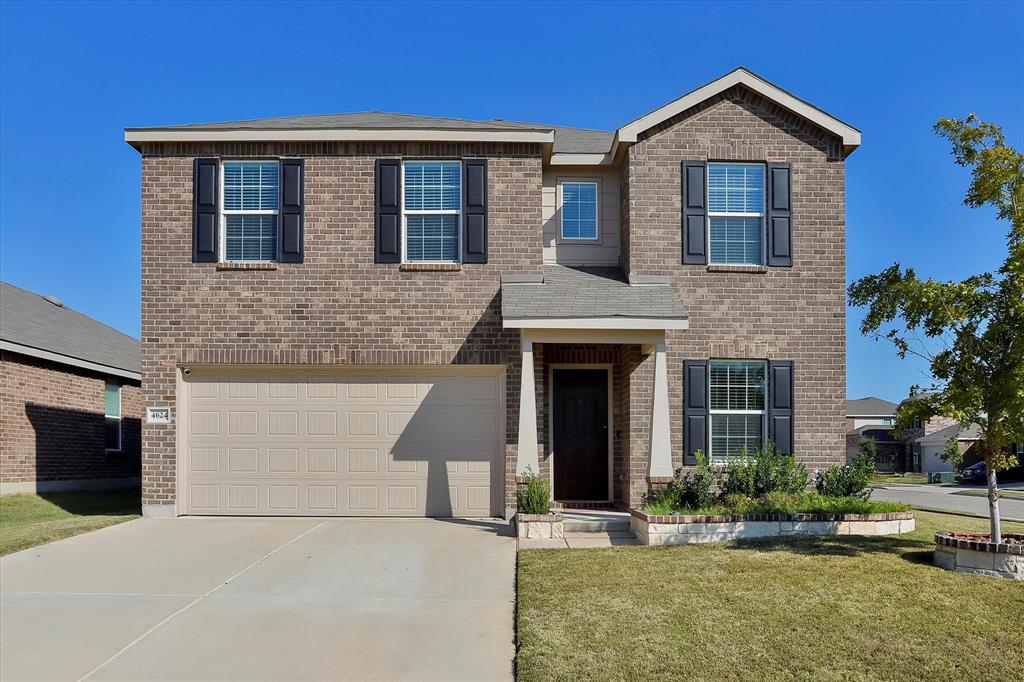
(433, 186)
(737, 385)
(579, 210)
(250, 185)
(731, 433)
(112, 400)
(251, 237)
(432, 238)
(735, 240)
(735, 188)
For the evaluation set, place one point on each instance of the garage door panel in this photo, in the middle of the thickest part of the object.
(402, 444)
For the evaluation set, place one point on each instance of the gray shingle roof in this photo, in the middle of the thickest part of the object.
(28, 319)
(567, 140)
(583, 292)
(870, 407)
(967, 432)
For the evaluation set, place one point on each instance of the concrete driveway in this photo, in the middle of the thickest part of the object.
(263, 599)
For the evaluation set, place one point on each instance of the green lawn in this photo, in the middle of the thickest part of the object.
(30, 520)
(905, 479)
(827, 608)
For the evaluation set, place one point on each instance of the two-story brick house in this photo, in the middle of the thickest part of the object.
(381, 314)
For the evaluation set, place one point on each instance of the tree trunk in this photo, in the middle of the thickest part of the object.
(993, 504)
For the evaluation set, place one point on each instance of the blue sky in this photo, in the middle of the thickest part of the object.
(74, 75)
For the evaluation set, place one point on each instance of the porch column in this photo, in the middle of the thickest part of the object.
(661, 432)
(526, 452)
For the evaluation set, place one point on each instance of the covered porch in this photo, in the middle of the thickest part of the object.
(594, 414)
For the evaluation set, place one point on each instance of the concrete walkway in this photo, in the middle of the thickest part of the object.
(943, 498)
(263, 599)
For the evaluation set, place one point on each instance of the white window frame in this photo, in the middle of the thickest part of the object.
(712, 412)
(561, 212)
(458, 214)
(726, 214)
(222, 219)
(119, 418)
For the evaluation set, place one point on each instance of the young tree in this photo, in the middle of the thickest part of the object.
(978, 323)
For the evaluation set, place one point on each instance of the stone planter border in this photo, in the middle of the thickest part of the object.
(682, 529)
(539, 526)
(973, 553)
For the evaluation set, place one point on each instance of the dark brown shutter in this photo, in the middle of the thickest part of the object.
(695, 213)
(779, 219)
(780, 404)
(205, 196)
(388, 214)
(292, 172)
(474, 211)
(695, 409)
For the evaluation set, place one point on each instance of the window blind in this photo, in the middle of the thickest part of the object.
(579, 210)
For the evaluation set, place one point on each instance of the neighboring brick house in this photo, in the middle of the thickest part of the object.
(874, 418)
(341, 310)
(70, 399)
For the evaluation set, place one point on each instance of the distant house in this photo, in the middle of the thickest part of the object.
(928, 449)
(70, 398)
(874, 418)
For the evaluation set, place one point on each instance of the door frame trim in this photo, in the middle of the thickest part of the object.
(608, 367)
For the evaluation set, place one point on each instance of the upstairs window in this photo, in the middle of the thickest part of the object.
(112, 414)
(736, 206)
(432, 211)
(251, 191)
(737, 390)
(579, 210)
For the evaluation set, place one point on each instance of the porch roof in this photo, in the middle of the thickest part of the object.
(595, 297)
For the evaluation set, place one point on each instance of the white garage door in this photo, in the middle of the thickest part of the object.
(402, 442)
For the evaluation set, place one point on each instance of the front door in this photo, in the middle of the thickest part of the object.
(581, 434)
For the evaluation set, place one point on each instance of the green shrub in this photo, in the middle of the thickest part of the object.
(694, 490)
(779, 502)
(534, 497)
(847, 480)
(766, 472)
(661, 502)
(736, 503)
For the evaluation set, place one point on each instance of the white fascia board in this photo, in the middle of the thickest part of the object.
(68, 360)
(580, 159)
(340, 135)
(646, 323)
(849, 134)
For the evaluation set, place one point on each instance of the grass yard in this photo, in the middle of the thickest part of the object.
(825, 608)
(30, 520)
(893, 479)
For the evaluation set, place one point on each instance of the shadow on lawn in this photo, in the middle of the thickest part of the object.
(122, 502)
(912, 550)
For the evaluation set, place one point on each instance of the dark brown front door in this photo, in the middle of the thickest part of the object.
(581, 434)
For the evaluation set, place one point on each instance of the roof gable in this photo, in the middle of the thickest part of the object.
(741, 76)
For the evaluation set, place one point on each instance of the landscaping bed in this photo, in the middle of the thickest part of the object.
(975, 553)
(681, 529)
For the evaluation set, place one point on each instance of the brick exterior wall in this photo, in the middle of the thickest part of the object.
(338, 307)
(793, 313)
(52, 423)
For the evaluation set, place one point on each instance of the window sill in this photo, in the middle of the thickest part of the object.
(430, 267)
(755, 269)
(247, 266)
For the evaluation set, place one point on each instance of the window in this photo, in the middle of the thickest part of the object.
(249, 225)
(736, 213)
(579, 210)
(737, 407)
(112, 411)
(432, 211)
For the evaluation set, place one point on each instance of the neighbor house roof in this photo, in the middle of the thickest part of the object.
(593, 297)
(43, 327)
(960, 432)
(569, 145)
(870, 407)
